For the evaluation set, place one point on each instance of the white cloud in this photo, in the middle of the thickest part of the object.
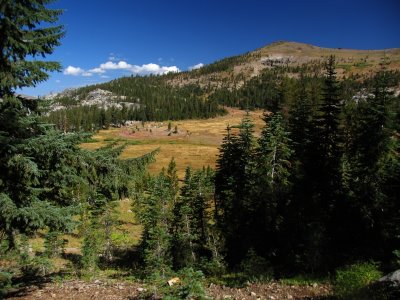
(115, 66)
(58, 81)
(97, 71)
(145, 69)
(195, 67)
(151, 68)
(74, 71)
(104, 76)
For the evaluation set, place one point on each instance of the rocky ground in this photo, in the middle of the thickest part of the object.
(98, 289)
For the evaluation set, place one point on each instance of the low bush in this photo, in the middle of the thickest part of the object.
(352, 282)
(5, 282)
(256, 268)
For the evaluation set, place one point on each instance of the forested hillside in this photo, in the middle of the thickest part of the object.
(265, 78)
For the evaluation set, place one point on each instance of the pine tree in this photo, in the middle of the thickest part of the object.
(108, 179)
(233, 183)
(300, 121)
(272, 196)
(367, 166)
(329, 133)
(184, 252)
(155, 213)
(22, 35)
(327, 198)
(275, 153)
(26, 204)
(173, 180)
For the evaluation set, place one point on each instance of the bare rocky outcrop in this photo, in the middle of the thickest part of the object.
(392, 278)
(98, 97)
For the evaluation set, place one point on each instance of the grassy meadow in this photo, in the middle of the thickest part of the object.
(194, 143)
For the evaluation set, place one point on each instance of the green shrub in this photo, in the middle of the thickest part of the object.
(397, 260)
(351, 282)
(29, 264)
(213, 267)
(53, 244)
(37, 266)
(5, 282)
(255, 267)
(190, 286)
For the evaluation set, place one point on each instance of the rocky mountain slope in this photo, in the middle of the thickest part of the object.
(238, 69)
(234, 71)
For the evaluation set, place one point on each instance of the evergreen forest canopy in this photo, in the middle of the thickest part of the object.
(316, 191)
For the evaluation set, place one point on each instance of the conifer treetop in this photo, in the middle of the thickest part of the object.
(26, 35)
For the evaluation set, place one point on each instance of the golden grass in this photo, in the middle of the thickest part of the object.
(195, 144)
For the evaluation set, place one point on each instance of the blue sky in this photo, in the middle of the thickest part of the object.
(108, 39)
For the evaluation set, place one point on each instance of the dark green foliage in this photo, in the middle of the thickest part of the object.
(272, 190)
(300, 120)
(5, 282)
(39, 166)
(263, 91)
(109, 179)
(155, 214)
(320, 191)
(151, 97)
(23, 34)
(351, 281)
(326, 139)
(256, 267)
(191, 224)
(252, 188)
(41, 170)
(225, 64)
(30, 265)
(233, 181)
(191, 287)
(371, 172)
(53, 244)
(177, 227)
(273, 89)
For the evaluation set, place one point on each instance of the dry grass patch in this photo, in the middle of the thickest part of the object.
(195, 142)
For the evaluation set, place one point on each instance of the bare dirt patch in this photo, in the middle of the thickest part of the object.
(97, 289)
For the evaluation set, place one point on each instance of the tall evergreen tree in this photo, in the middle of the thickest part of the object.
(192, 219)
(233, 181)
(329, 134)
(367, 166)
(300, 120)
(34, 187)
(318, 193)
(23, 35)
(273, 169)
(155, 213)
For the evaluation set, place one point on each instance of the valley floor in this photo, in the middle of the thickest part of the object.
(195, 143)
